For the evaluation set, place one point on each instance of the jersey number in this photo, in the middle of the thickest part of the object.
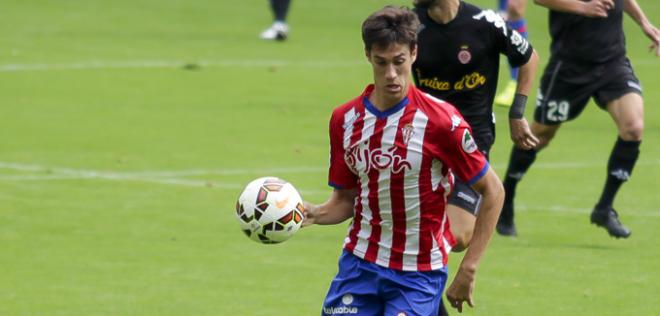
(558, 112)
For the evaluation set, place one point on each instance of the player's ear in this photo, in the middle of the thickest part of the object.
(413, 53)
(367, 52)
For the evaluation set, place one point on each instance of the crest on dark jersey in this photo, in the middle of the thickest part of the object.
(464, 55)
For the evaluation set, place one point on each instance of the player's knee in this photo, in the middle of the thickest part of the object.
(544, 138)
(632, 131)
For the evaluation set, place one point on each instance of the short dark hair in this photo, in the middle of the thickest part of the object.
(390, 25)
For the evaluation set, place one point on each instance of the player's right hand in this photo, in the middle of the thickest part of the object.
(654, 34)
(521, 134)
(597, 8)
(309, 214)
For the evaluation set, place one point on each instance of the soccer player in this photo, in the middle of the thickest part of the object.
(459, 48)
(279, 31)
(394, 151)
(513, 12)
(588, 60)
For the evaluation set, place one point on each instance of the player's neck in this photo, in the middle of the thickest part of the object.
(444, 12)
(384, 101)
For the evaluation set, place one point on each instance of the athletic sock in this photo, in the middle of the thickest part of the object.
(520, 26)
(619, 169)
(519, 162)
(280, 9)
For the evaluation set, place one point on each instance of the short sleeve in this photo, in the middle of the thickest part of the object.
(340, 175)
(462, 154)
(509, 42)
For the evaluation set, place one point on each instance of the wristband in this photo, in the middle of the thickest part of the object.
(517, 110)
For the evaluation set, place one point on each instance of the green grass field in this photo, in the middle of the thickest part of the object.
(119, 169)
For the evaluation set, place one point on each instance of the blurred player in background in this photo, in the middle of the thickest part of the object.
(588, 60)
(394, 151)
(513, 11)
(279, 31)
(458, 60)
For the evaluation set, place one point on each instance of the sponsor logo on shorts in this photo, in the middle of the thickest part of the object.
(347, 299)
(401, 314)
(466, 197)
(634, 85)
(341, 310)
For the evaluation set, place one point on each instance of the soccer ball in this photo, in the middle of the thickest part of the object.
(269, 210)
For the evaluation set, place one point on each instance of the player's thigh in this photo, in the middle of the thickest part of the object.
(461, 226)
(628, 114)
(414, 293)
(621, 96)
(354, 290)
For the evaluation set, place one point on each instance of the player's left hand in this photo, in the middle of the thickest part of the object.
(654, 34)
(461, 288)
(521, 135)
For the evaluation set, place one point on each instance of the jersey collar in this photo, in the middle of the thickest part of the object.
(384, 114)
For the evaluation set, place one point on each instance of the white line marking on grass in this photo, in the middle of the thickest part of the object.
(169, 178)
(247, 63)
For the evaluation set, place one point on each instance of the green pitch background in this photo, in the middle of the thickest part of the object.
(119, 167)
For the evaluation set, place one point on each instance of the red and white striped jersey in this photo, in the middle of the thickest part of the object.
(402, 162)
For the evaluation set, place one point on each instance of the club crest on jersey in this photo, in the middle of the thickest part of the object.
(469, 146)
(464, 55)
(407, 132)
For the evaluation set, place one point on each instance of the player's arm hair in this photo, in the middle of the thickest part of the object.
(635, 12)
(338, 208)
(492, 191)
(525, 81)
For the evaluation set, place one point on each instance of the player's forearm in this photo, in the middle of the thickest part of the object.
(338, 208)
(492, 191)
(635, 12)
(570, 6)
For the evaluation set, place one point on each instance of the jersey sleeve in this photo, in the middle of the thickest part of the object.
(461, 152)
(340, 175)
(511, 43)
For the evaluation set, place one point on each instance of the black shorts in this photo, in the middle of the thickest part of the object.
(464, 197)
(483, 132)
(566, 88)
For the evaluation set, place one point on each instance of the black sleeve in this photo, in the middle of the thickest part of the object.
(509, 42)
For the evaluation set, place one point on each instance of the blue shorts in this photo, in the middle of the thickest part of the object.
(365, 288)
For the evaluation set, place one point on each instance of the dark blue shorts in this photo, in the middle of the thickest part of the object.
(365, 288)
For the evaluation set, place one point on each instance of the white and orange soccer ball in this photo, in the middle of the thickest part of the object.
(269, 210)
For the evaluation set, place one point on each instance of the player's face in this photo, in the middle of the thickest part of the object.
(392, 67)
